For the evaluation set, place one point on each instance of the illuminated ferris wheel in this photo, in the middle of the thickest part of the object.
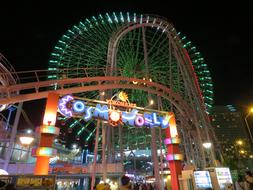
(142, 47)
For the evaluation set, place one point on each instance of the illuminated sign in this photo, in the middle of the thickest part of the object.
(109, 111)
(223, 176)
(202, 180)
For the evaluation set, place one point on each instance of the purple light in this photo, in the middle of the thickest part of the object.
(169, 157)
(167, 141)
(63, 105)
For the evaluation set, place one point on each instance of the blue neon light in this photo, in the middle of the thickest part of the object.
(79, 106)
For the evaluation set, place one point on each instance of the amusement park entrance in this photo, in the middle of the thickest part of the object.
(143, 56)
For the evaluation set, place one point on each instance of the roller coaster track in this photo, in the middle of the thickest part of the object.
(36, 85)
(7, 78)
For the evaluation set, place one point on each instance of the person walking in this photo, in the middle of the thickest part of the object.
(240, 183)
(125, 183)
(103, 186)
(249, 179)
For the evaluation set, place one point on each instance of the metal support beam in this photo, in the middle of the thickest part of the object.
(13, 136)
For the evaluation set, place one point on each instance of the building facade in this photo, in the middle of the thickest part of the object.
(233, 139)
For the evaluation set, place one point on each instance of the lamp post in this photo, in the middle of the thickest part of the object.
(207, 146)
(26, 140)
(247, 124)
(239, 152)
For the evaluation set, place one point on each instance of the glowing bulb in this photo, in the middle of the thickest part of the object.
(49, 119)
(207, 145)
(115, 116)
(239, 142)
(151, 102)
(26, 140)
(29, 131)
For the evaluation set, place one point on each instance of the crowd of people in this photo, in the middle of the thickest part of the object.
(126, 185)
(244, 182)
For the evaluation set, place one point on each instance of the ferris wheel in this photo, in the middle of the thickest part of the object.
(145, 49)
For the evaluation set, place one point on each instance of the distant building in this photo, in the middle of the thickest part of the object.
(231, 133)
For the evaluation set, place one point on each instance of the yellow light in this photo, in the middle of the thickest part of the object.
(102, 93)
(239, 142)
(115, 116)
(173, 126)
(151, 102)
(123, 96)
(251, 156)
(135, 82)
(242, 151)
(251, 110)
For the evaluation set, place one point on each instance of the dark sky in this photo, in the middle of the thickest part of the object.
(222, 33)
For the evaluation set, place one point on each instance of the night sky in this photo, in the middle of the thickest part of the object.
(222, 33)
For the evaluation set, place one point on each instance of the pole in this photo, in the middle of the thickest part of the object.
(48, 131)
(93, 177)
(247, 124)
(104, 165)
(13, 135)
(173, 153)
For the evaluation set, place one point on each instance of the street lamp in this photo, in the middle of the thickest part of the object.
(247, 124)
(239, 142)
(207, 145)
(26, 140)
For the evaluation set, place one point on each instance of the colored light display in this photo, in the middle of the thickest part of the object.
(44, 151)
(68, 106)
(51, 110)
(174, 140)
(115, 116)
(49, 129)
(171, 157)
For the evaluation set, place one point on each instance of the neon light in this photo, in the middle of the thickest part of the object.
(121, 17)
(88, 114)
(63, 105)
(101, 112)
(79, 106)
(128, 17)
(115, 116)
(139, 121)
(68, 106)
(157, 123)
(148, 120)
